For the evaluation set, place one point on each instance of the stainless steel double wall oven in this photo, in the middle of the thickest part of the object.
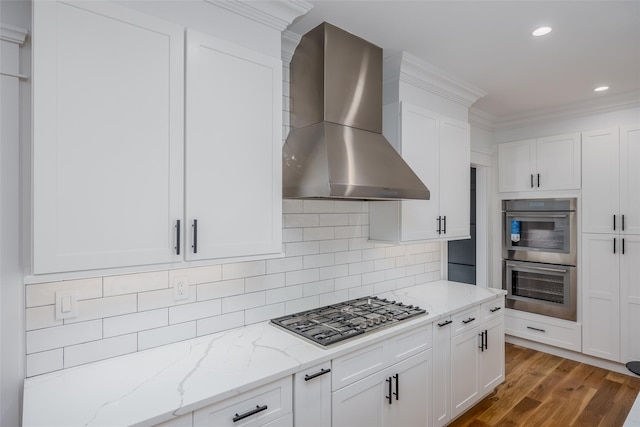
(539, 251)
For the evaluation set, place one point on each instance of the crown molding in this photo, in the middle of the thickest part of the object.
(601, 105)
(11, 34)
(416, 72)
(482, 120)
(274, 14)
(290, 41)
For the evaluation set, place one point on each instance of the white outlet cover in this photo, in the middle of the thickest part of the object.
(180, 288)
(66, 305)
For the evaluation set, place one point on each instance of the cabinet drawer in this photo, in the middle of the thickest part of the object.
(492, 309)
(276, 399)
(357, 365)
(409, 343)
(537, 328)
(465, 320)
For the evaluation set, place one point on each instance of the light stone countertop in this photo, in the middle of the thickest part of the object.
(156, 385)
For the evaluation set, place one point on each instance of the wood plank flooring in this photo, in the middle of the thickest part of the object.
(542, 390)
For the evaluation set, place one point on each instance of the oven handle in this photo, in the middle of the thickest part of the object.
(533, 215)
(555, 270)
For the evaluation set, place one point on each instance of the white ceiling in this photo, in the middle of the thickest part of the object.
(489, 45)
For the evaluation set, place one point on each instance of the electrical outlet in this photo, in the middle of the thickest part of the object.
(180, 288)
(66, 305)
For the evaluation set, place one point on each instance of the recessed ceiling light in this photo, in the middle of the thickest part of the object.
(601, 88)
(541, 31)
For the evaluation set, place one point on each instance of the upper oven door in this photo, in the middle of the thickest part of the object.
(548, 237)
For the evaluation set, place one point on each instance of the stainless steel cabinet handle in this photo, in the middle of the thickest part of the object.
(545, 216)
(555, 270)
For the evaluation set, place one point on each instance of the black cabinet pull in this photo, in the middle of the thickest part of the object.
(494, 309)
(195, 236)
(439, 225)
(623, 222)
(444, 220)
(390, 396)
(317, 374)
(445, 323)
(623, 246)
(469, 320)
(531, 180)
(614, 222)
(481, 335)
(397, 393)
(178, 237)
(249, 413)
(538, 180)
(536, 329)
(486, 339)
(614, 245)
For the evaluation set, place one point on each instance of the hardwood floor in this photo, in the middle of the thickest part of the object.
(542, 390)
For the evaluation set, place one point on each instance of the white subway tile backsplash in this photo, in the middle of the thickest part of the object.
(167, 335)
(134, 283)
(211, 325)
(243, 269)
(43, 362)
(62, 336)
(243, 302)
(105, 307)
(45, 293)
(197, 275)
(122, 325)
(328, 259)
(99, 350)
(262, 283)
(226, 288)
(322, 260)
(283, 294)
(162, 298)
(266, 312)
(198, 310)
(41, 317)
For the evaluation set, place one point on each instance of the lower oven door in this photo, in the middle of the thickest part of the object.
(546, 289)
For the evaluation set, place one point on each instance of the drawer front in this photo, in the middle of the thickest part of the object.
(568, 336)
(276, 396)
(465, 320)
(408, 343)
(357, 365)
(492, 309)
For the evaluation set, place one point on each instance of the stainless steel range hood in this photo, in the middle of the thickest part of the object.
(336, 149)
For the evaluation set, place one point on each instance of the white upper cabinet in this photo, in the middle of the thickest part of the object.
(611, 180)
(233, 150)
(107, 137)
(438, 150)
(551, 163)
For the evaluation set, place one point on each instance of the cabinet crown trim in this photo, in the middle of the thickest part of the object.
(9, 33)
(277, 15)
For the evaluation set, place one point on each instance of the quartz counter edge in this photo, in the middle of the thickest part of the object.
(156, 385)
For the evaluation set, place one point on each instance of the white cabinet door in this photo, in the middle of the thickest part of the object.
(411, 403)
(492, 357)
(363, 403)
(630, 178)
(442, 372)
(600, 181)
(455, 164)
(464, 371)
(421, 151)
(601, 295)
(107, 137)
(516, 165)
(312, 396)
(558, 162)
(630, 298)
(233, 150)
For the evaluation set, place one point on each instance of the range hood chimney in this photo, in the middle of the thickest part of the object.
(336, 149)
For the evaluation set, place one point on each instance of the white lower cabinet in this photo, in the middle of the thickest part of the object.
(268, 405)
(442, 372)
(312, 396)
(544, 329)
(396, 396)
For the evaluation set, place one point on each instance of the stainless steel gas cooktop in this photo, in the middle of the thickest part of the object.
(337, 322)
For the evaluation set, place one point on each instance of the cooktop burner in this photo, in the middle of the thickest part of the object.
(334, 323)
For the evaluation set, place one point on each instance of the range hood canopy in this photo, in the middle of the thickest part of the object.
(336, 149)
